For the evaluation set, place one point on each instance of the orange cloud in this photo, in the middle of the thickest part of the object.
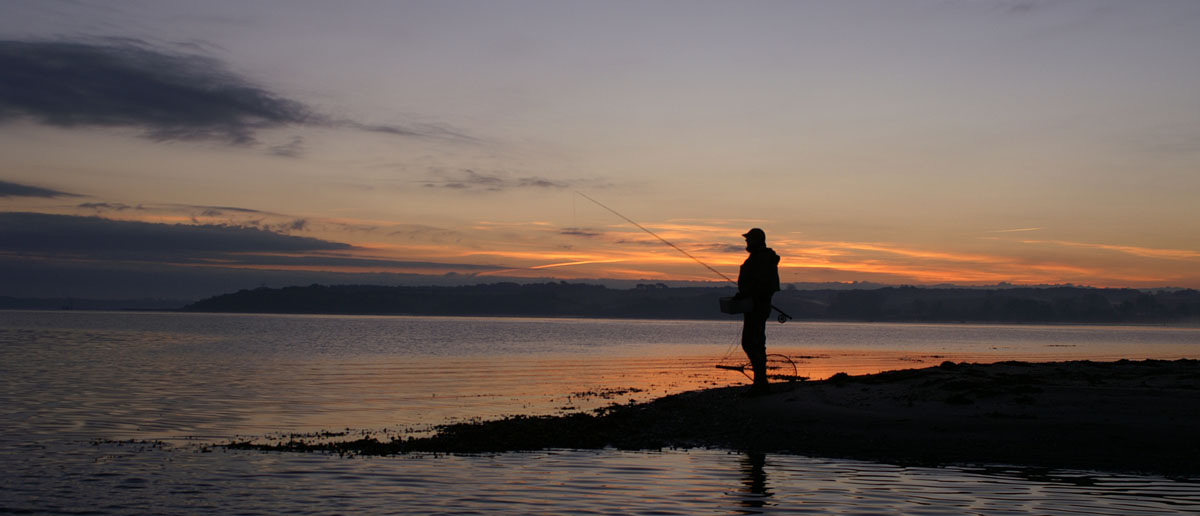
(619, 250)
(578, 262)
(1146, 252)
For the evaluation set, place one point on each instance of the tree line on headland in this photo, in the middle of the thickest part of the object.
(657, 301)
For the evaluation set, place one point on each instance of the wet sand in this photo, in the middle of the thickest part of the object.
(1127, 416)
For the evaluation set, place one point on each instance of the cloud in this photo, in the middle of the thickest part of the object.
(170, 96)
(95, 237)
(60, 255)
(316, 262)
(201, 215)
(1016, 230)
(1144, 252)
(8, 189)
(580, 232)
(421, 232)
(721, 248)
(39, 236)
(218, 210)
(424, 130)
(214, 216)
(108, 206)
(295, 225)
(120, 280)
(470, 180)
(291, 149)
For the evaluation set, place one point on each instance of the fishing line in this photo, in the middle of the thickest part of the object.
(783, 317)
(655, 235)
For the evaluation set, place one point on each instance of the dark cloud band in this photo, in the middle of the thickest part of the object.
(40, 237)
(470, 180)
(95, 237)
(172, 97)
(8, 189)
(169, 96)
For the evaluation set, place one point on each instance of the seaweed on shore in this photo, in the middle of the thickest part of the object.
(617, 426)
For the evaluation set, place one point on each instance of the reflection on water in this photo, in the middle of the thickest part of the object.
(754, 482)
(124, 479)
(70, 379)
(161, 375)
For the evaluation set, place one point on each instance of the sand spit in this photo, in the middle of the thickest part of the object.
(1130, 416)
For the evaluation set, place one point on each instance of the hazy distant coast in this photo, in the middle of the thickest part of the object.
(656, 301)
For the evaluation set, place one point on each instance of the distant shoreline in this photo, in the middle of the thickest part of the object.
(888, 304)
(1128, 416)
(1006, 305)
(732, 318)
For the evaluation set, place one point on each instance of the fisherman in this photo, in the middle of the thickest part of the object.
(758, 280)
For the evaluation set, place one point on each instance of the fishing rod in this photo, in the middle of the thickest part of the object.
(783, 316)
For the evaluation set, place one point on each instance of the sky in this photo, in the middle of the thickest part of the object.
(186, 149)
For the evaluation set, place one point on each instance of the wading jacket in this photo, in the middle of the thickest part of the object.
(759, 276)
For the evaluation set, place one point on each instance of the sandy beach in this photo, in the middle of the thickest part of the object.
(1129, 416)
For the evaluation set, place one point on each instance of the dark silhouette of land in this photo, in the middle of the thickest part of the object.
(1067, 304)
(74, 303)
(1118, 416)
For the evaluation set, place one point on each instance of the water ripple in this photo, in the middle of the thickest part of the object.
(69, 382)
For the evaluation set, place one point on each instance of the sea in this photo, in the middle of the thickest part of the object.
(122, 412)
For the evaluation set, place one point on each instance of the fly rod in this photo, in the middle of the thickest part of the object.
(783, 316)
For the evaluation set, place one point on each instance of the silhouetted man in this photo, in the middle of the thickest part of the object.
(758, 280)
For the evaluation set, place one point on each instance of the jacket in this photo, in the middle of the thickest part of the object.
(759, 275)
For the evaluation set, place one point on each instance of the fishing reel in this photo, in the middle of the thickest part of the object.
(783, 318)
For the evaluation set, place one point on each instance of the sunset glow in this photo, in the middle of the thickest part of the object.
(909, 142)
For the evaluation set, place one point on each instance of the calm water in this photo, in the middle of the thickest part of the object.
(72, 382)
